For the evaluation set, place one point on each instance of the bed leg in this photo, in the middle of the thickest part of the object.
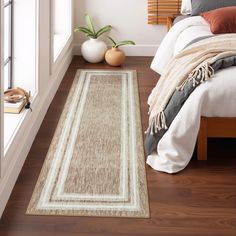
(202, 140)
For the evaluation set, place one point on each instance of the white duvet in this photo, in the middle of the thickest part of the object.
(214, 98)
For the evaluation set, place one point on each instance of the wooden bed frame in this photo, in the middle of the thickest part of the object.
(211, 127)
(214, 127)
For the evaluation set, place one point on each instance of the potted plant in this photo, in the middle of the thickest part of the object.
(93, 50)
(115, 56)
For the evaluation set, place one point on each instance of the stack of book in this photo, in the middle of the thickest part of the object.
(14, 107)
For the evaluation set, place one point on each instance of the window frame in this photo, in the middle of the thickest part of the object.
(1, 88)
(7, 151)
(8, 61)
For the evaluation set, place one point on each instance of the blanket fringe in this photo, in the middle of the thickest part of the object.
(198, 76)
(158, 122)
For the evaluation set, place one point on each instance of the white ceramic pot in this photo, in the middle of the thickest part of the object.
(93, 50)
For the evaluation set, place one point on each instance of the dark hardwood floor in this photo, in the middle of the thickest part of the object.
(201, 200)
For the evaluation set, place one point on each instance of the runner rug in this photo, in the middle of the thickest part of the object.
(95, 164)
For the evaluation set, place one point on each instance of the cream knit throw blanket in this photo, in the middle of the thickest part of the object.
(193, 63)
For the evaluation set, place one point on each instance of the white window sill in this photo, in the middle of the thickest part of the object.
(12, 123)
(59, 43)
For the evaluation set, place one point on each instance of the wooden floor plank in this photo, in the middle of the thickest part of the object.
(201, 200)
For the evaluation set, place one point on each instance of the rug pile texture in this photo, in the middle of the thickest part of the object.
(95, 164)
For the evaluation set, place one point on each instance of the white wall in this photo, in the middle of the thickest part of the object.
(129, 19)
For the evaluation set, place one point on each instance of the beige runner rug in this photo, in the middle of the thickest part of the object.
(95, 164)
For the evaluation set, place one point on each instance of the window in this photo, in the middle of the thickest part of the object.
(61, 25)
(8, 10)
(20, 58)
(25, 44)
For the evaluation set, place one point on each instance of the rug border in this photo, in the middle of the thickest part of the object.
(141, 152)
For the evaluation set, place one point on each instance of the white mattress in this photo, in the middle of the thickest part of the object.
(214, 98)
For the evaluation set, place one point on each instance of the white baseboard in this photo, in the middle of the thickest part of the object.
(22, 143)
(130, 50)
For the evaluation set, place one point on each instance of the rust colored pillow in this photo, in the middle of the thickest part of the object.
(221, 20)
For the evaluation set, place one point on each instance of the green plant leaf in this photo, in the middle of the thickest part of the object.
(84, 30)
(125, 42)
(91, 36)
(89, 23)
(112, 40)
(103, 30)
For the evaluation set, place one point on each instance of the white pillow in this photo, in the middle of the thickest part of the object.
(186, 7)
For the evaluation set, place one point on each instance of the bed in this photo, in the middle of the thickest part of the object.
(211, 105)
(210, 127)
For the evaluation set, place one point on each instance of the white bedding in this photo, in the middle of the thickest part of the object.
(214, 98)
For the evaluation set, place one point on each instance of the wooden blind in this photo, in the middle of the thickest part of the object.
(159, 10)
